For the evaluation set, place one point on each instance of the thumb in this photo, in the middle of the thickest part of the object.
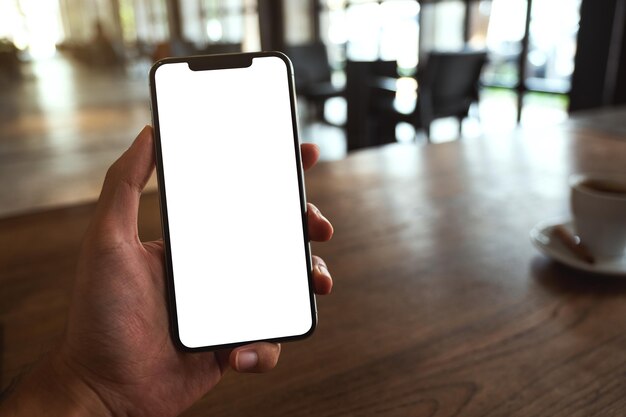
(116, 213)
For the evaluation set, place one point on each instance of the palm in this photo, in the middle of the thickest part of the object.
(123, 338)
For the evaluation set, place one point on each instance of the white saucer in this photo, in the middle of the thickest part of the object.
(541, 237)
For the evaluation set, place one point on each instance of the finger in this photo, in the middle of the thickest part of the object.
(222, 357)
(310, 154)
(256, 357)
(124, 181)
(320, 229)
(322, 280)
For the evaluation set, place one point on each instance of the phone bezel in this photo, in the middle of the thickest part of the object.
(208, 63)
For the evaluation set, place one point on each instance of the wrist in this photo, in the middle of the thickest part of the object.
(52, 388)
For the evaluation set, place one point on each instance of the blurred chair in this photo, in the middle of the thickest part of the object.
(312, 74)
(361, 129)
(174, 47)
(103, 51)
(447, 86)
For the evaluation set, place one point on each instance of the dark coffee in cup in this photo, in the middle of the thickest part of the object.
(613, 187)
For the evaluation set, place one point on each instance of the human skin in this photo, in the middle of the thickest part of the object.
(117, 357)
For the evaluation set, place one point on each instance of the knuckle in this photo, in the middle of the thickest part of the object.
(113, 172)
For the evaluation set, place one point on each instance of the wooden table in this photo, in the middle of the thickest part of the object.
(441, 306)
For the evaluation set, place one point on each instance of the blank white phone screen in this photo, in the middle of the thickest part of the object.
(233, 203)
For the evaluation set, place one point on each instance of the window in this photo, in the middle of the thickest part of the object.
(370, 30)
(221, 21)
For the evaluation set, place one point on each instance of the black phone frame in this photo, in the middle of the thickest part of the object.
(208, 63)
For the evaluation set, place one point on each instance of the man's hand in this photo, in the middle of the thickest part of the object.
(117, 356)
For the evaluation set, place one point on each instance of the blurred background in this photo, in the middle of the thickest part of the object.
(74, 87)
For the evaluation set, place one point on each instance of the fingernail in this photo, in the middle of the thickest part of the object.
(320, 215)
(246, 360)
(323, 270)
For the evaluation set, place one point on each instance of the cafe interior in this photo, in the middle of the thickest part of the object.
(449, 134)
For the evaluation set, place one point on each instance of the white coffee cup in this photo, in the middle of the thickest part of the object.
(598, 203)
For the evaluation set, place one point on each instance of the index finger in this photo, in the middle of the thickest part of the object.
(310, 154)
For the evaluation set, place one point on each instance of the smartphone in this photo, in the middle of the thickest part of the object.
(232, 199)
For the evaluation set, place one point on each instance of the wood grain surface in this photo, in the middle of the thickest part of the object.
(441, 306)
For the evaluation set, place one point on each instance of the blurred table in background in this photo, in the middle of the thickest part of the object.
(441, 306)
(61, 126)
(610, 120)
